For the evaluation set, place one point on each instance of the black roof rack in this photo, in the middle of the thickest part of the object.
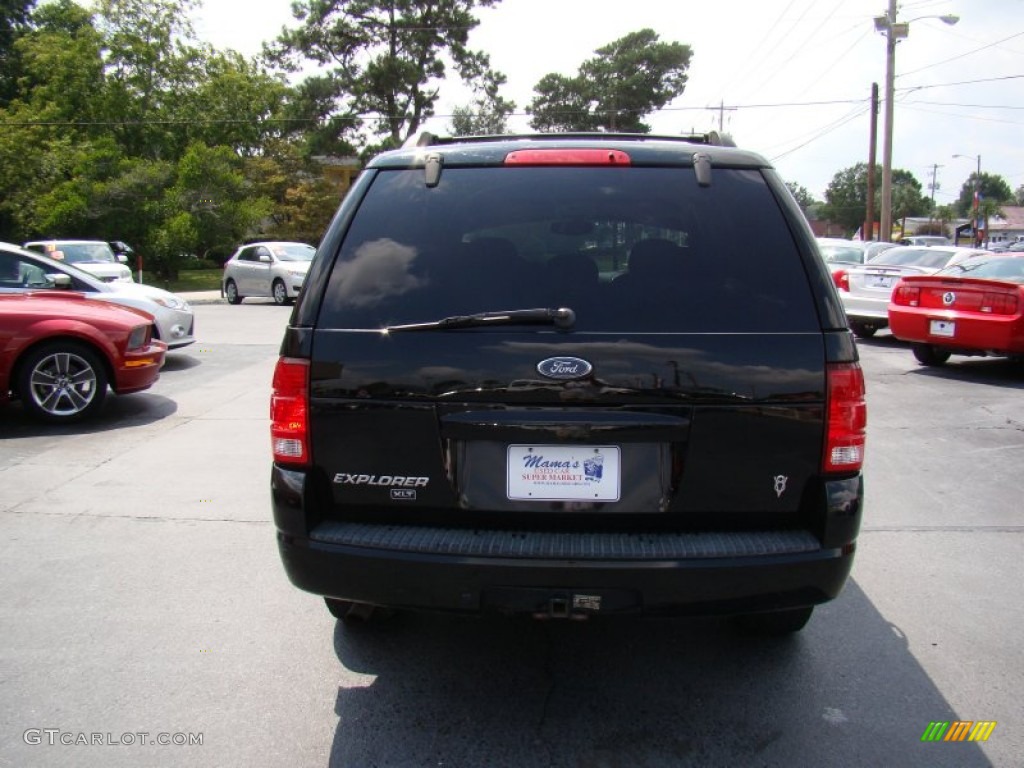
(712, 138)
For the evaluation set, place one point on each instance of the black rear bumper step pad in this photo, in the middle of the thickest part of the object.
(565, 545)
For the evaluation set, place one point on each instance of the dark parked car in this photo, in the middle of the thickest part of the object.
(543, 375)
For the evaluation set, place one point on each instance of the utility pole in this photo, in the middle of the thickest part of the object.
(933, 186)
(722, 109)
(869, 216)
(894, 31)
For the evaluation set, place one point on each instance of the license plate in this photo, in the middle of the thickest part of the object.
(879, 281)
(563, 472)
(942, 328)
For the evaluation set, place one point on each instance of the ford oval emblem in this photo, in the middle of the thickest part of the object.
(564, 368)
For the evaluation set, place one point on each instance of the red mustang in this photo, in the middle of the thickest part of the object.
(59, 351)
(975, 307)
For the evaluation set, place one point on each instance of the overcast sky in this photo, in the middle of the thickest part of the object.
(794, 76)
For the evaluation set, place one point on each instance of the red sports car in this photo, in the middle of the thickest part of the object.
(975, 307)
(59, 351)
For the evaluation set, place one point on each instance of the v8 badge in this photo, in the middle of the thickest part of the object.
(780, 485)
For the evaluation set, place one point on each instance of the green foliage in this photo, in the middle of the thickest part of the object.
(994, 190)
(846, 196)
(379, 60)
(235, 103)
(122, 128)
(803, 198)
(477, 119)
(487, 114)
(303, 200)
(208, 205)
(14, 15)
(628, 79)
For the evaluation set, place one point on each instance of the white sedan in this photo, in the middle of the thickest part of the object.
(93, 256)
(22, 270)
(274, 269)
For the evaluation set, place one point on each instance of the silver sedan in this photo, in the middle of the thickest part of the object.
(274, 269)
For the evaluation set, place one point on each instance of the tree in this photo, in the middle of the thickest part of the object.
(151, 62)
(993, 188)
(14, 16)
(235, 103)
(627, 80)
(50, 123)
(303, 200)
(846, 196)
(487, 114)
(383, 61)
(803, 198)
(1018, 196)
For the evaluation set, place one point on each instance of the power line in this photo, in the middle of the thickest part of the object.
(961, 82)
(956, 104)
(824, 131)
(962, 55)
(751, 56)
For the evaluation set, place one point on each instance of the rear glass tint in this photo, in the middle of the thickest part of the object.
(628, 249)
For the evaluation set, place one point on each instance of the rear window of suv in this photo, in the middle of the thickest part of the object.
(633, 249)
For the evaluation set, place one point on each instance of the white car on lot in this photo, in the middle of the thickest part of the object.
(22, 271)
(865, 289)
(275, 269)
(93, 256)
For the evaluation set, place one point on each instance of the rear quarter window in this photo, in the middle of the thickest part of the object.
(629, 249)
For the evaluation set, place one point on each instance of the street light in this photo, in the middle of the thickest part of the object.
(977, 199)
(894, 31)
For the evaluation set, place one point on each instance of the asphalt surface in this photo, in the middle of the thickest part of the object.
(142, 592)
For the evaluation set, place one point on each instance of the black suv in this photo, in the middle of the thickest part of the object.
(569, 375)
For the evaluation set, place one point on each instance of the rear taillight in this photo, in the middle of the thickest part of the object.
(847, 418)
(999, 303)
(906, 295)
(289, 412)
(842, 280)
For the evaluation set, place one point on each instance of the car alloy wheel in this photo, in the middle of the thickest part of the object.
(62, 382)
(231, 292)
(280, 293)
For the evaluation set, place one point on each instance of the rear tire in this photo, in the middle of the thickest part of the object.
(774, 623)
(62, 382)
(928, 354)
(231, 293)
(863, 330)
(357, 613)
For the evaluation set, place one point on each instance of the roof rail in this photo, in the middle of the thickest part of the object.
(712, 138)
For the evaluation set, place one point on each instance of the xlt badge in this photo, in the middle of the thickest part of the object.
(564, 368)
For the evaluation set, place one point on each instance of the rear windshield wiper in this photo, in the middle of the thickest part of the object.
(563, 317)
